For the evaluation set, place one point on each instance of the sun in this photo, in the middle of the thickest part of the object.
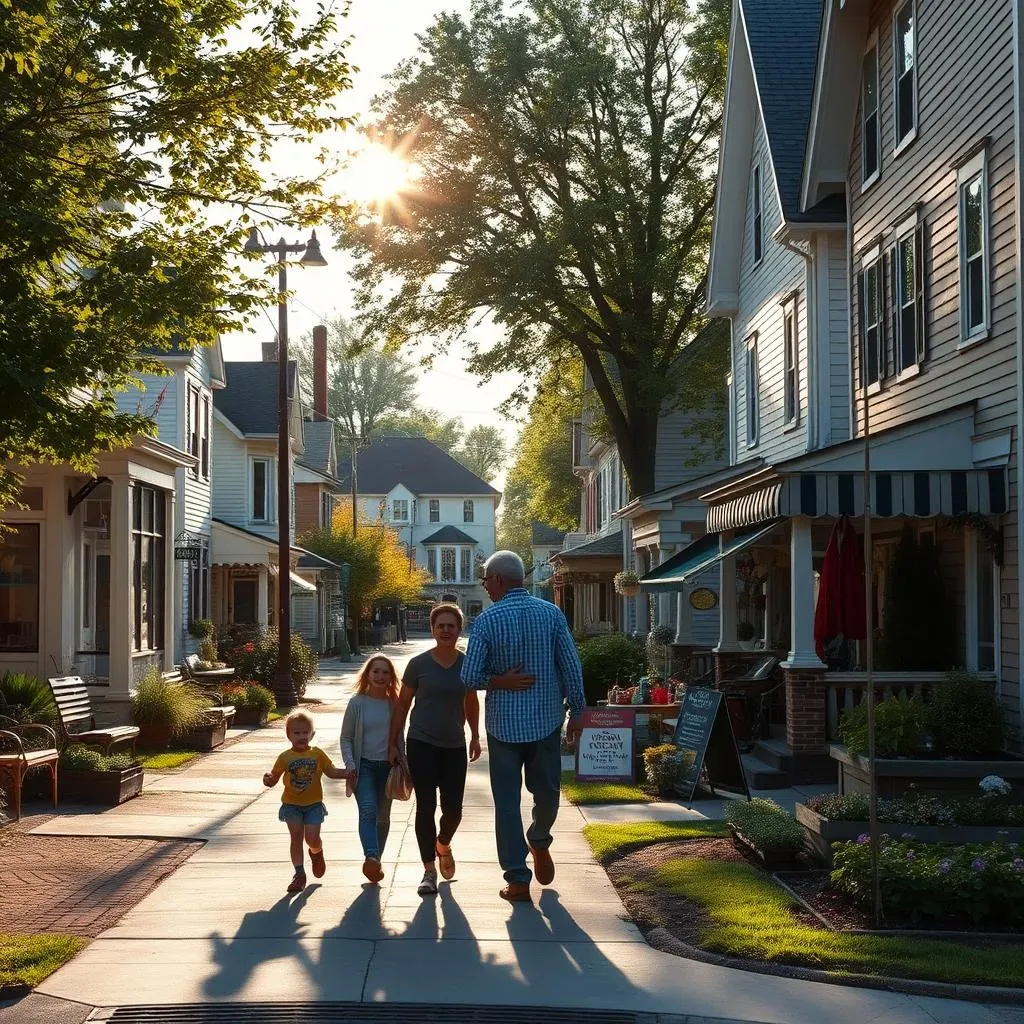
(376, 174)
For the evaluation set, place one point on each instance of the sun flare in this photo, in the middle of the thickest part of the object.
(377, 173)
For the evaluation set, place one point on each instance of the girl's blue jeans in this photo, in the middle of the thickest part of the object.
(374, 806)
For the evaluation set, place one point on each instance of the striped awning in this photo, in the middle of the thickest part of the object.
(921, 495)
(681, 569)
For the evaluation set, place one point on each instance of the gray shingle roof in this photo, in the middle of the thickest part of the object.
(415, 462)
(783, 41)
(610, 544)
(317, 437)
(541, 533)
(249, 399)
(449, 535)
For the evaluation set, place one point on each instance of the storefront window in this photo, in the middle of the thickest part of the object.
(149, 527)
(19, 588)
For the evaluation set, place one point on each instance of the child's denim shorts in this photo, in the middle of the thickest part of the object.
(308, 814)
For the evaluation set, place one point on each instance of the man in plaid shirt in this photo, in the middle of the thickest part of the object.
(522, 653)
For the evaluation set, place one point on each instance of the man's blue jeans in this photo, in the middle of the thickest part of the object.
(540, 762)
(374, 806)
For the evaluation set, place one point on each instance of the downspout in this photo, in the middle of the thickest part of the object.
(849, 313)
(1018, 148)
(810, 316)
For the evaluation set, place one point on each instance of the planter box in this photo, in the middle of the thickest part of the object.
(106, 788)
(823, 832)
(205, 737)
(894, 776)
(154, 737)
(772, 859)
(250, 717)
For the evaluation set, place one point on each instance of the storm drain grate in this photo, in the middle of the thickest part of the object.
(357, 1013)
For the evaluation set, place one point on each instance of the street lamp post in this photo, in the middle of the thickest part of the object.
(284, 689)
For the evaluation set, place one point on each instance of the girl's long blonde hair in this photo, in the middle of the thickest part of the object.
(363, 682)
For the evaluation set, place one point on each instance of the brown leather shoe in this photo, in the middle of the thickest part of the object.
(543, 866)
(516, 892)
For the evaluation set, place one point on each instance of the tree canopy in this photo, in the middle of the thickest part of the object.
(136, 135)
(567, 152)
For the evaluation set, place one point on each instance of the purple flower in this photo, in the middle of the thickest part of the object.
(978, 864)
(863, 838)
(945, 865)
(1018, 864)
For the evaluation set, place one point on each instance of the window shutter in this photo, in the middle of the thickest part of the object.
(862, 333)
(919, 297)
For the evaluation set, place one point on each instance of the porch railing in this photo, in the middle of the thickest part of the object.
(845, 690)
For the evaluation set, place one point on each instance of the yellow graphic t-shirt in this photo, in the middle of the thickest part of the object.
(302, 770)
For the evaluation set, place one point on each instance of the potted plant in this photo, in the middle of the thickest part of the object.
(627, 583)
(253, 703)
(745, 635)
(87, 776)
(164, 709)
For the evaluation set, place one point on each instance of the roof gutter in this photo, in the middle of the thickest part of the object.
(803, 250)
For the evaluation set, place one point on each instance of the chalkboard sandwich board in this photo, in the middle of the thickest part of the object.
(605, 749)
(704, 727)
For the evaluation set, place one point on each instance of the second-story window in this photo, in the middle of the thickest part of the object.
(753, 397)
(908, 296)
(400, 510)
(326, 509)
(757, 212)
(467, 510)
(905, 73)
(435, 510)
(791, 362)
(975, 299)
(260, 490)
(870, 303)
(869, 133)
(204, 447)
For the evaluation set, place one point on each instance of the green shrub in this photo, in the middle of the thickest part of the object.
(77, 758)
(921, 809)
(772, 830)
(608, 659)
(208, 650)
(26, 699)
(836, 807)
(981, 882)
(250, 695)
(256, 660)
(158, 701)
(900, 727)
(965, 716)
(201, 629)
(665, 767)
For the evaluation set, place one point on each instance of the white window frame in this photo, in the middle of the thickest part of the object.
(468, 511)
(757, 213)
(967, 173)
(268, 490)
(753, 389)
(465, 564)
(453, 552)
(397, 505)
(869, 178)
(870, 262)
(908, 233)
(901, 143)
(435, 510)
(791, 361)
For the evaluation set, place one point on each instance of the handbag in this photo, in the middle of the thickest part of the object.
(399, 784)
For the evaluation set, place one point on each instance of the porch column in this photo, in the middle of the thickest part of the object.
(122, 625)
(802, 654)
(970, 600)
(727, 605)
(173, 610)
(664, 598)
(643, 600)
(684, 617)
(262, 596)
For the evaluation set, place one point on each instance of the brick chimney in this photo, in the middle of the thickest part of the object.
(270, 351)
(320, 372)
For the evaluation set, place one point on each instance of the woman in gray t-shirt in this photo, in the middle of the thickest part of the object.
(436, 744)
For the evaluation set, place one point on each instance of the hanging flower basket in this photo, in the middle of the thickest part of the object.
(627, 583)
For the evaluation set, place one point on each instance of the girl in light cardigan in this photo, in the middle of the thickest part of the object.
(364, 747)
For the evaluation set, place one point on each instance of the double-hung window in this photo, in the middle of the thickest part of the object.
(432, 563)
(465, 564)
(791, 362)
(467, 510)
(908, 296)
(753, 396)
(149, 528)
(260, 496)
(435, 510)
(905, 73)
(975, 297)
(400, 510)
(870, 136)
(757, 214)
(870, 320)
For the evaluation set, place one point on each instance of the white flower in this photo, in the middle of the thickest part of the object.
(993, 785)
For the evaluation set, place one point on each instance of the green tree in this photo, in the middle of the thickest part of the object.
(483, 451)
(541, 484)
(567, 151)
(136, 135)
(446, 432)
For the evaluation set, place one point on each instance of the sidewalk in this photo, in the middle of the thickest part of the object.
(223, 929)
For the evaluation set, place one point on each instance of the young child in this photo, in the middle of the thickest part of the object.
(302, 803)
(364, 746)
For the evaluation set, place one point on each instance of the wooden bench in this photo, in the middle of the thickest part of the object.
(75, 708)
(213, 676)
(16, 761)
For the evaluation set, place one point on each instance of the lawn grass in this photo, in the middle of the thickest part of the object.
(750, 918)
(27, 959)
(608, 840)
(602, 792)
(164, 760)
(275, 716)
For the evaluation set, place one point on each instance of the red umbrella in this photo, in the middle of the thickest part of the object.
(828, 614)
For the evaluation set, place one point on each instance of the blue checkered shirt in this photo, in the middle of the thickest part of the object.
(525, 633)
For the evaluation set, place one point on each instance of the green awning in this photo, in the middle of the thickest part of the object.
(702, 554)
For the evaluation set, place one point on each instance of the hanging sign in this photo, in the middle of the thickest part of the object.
(703, 599)
(704, 728)
(188, 548)
(605, 748)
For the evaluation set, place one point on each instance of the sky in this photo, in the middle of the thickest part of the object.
(383, 34)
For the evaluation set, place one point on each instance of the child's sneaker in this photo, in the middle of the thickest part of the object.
(428, 887)
(318, 862)
(298, 882)
(372, 869)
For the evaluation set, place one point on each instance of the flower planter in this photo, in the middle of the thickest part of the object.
(250, 717)
(773, 859)
(154, 736)
(894, 776)
(204, 737)
(823, 832)
(106, 788)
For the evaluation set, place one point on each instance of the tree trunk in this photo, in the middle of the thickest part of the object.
(638, 450)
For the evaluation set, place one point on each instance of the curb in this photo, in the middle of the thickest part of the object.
(665, 942)
(14, 991)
